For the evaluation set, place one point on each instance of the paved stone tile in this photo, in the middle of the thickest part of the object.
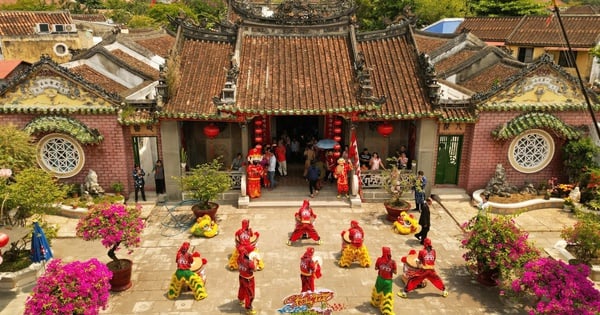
(154, 261)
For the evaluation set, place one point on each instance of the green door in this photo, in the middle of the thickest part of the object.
(447, 166)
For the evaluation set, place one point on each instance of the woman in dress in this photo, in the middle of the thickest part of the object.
(375, 162)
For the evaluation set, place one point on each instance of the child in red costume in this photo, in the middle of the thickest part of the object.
(382, 296)
(353, 248)
(245, 236)
(309, 270)
(304, 224)
(185, 276)
(341, 174)
(246, 291)
(426, 258)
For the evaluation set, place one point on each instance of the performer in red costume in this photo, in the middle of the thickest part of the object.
(382, 296)
(309, 270)
(304, 224)
(248, 238)
(426, 264)
(184, 274)
(341, 174)
(255, 173)
(353, 248)
(246, 291)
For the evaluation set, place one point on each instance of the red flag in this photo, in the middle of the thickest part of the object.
(353, 154)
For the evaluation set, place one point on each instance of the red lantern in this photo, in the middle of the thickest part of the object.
(337, 147)
(4, 239)
(385, 129)
(336, 154)
(337, 122)
(337, 131)
(211, 131)
(337, 138)
(258, 131)
(258, 123)
(258, 139)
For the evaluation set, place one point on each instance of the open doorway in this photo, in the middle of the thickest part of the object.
(145, 154)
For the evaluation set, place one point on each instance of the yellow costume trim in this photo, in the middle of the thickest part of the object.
(189, 278)
(406, 224)
(205, 227)
(351, 254)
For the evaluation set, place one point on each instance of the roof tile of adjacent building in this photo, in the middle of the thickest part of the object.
(21, 23)
(89, 17)
(99, 79)
(535, 30)
(7, 66)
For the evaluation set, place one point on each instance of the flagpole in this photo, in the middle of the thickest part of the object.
(572, 61)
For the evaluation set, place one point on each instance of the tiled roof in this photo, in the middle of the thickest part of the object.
(490, 29)
(306, 74)
(452, 114)
(95, 77)
(7, 66)
(428, 42)
(201, 77)
(581, 9)
(15, 23)
(395, 75)
(583, 31)
(490, 77)
(136, 64)
(160, 44)
(89, 17)
(448, 63)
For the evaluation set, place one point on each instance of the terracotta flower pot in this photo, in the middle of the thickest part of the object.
(121, 279)
(393, 212)
(488, 278)
(212, 212)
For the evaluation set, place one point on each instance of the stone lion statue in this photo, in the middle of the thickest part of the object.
(91, 184)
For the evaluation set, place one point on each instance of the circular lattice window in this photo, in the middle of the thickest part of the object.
(531, 151)
(60, 155)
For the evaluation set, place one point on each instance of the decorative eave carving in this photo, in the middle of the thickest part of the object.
(365, 88)
(295, 12)
(219, 32)
(433, 88)
(228, 93)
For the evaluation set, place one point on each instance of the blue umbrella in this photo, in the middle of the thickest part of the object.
(40, 249)
(326, 144)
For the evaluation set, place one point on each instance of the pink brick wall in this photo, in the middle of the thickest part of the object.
(481, 152)
(112, 159)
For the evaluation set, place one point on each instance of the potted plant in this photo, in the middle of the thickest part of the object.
(114, 224)
(205, 182)
(583, 238)
(550, 286)
(568, 204)
(72, 288)
(117, 188)
(496, 249)
(396, 183)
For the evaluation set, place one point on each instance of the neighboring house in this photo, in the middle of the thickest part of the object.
(529, 37)
(74, 122)
(26, 35)
(9, 69)
(444, 26)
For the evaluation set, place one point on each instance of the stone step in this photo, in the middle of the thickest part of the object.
(450, 194)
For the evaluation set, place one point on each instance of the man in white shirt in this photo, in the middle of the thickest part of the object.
(271, 168)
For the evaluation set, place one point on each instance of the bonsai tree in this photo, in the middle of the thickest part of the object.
(72, 288)
(117, 188)
(396, 183)
(115, 225)
(584, 237)
(206, 182)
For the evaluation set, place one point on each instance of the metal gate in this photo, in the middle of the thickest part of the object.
(447, 166)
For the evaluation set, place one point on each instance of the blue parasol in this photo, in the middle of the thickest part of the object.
(40, 249)
(326, 144)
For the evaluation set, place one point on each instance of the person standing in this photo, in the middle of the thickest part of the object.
(271, 169)
(424, 221)
(419, 188)
(341, 174)
(427, 257)
(309, 270)
(246, 291)
(281, 155)
(138, 182)
(313, 175)
(309, 156)
(159, 177)
(364, 159)
(382, 296)
(375, 163)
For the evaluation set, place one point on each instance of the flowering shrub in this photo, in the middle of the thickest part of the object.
(73, 288)
(396, 182)
(496, 245)
(557, 288)
(584, 236)
(115, 224)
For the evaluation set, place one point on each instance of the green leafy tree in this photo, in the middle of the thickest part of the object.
(430, 11)
(17, 150)
(507, 7)
(28, 5)
(578, 157)
(160, 11)
(141, 21)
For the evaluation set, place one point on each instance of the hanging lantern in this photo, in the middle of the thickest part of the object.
(258, 139)
(385, 129)
(337, 131)
(337, 147)
(336, 154)
(4, 239)
(258, 131)
(258, 123)
(337, 138)
(337, 122)
(211, 131)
